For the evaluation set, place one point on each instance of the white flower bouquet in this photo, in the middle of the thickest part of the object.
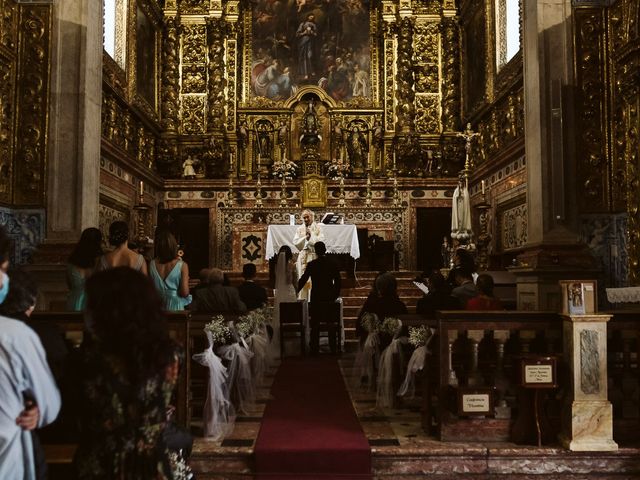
(419, 336)
(391, 326)
(284, 169)
(220, 332)
(370, 322)
(338, 169)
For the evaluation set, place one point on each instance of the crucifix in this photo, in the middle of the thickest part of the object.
(468, 136)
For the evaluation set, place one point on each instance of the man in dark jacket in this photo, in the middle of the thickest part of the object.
(325, 290)
(253, 295)
(216, 297)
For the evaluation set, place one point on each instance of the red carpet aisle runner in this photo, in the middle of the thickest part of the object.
(310, 427)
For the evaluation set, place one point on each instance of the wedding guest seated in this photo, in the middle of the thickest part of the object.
(203, 276)
(82, 262)
(438, 297)
(485, 300)
(121, 255)
(126, 377)
(384, 302)
(253, 295)
(465, 288)
(216, 297)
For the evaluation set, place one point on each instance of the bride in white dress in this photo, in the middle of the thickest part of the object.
(285, 291)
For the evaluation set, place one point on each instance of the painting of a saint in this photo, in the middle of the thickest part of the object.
(310, 42)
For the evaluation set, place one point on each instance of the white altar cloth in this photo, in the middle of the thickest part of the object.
(623, 295)
(337, 238)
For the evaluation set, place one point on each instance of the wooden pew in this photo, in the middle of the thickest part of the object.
(72, 325)
(476, 349)
(623, 357)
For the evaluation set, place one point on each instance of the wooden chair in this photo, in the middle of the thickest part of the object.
(325, 317)
(292, 321)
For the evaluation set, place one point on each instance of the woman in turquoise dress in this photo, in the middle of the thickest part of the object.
(170, 274)
(81, 264)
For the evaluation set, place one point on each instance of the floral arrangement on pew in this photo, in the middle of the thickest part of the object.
(218, 330)
(219, 413)
(237, 357)
(253, 331)
(419, 337)
(284, 169)
(385, 394)
(368, 356)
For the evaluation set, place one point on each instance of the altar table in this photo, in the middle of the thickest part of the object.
(337, 238)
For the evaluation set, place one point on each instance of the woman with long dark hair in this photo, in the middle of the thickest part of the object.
(169, 273)
(81, 264)
(128, 370)
(121, 255)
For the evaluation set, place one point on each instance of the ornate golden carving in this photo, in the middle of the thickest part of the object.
(232, 79)
(194, 79)
(314, 192)
(8, 23)
(591, 144)
(216, 99)
(428, 113)
(405, 94)
(7, 85)
(450, 75)
(193, 113)
(193, 6)
(389, 81)
(170, 76)
(194, 44)
(32, 92)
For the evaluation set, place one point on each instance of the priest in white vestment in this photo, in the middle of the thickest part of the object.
(305, 238)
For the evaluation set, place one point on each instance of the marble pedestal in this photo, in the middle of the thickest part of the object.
(587, 420)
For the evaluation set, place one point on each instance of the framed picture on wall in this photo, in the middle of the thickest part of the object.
(579, 297)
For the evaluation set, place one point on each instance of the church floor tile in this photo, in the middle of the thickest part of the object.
(400, 448)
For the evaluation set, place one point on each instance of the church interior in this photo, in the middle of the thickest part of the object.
(507, 128)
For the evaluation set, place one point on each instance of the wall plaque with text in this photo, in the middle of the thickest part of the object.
(538, 372)
(475, 401)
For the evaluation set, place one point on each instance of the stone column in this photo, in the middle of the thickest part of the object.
(552, 247)
(73, 169)
(587, 420)
(73, 166)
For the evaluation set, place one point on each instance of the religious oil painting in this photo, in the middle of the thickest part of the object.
(311, 42)
(145, 58)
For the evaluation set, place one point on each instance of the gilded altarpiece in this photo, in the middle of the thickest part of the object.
(624, 37)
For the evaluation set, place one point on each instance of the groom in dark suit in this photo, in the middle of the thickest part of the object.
(325, 289)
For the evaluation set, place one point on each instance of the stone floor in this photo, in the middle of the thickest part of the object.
(400, 448)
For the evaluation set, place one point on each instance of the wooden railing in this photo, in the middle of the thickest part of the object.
(471, 351)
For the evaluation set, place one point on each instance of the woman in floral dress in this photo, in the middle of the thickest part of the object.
(128, 371)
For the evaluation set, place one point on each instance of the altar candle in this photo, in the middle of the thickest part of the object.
(141, 188)
(482, 186)
(394, 159)
(231, 159)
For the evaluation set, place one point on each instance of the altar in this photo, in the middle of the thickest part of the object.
(342, 239)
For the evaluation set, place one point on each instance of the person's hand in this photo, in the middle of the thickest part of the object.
(28, 419)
